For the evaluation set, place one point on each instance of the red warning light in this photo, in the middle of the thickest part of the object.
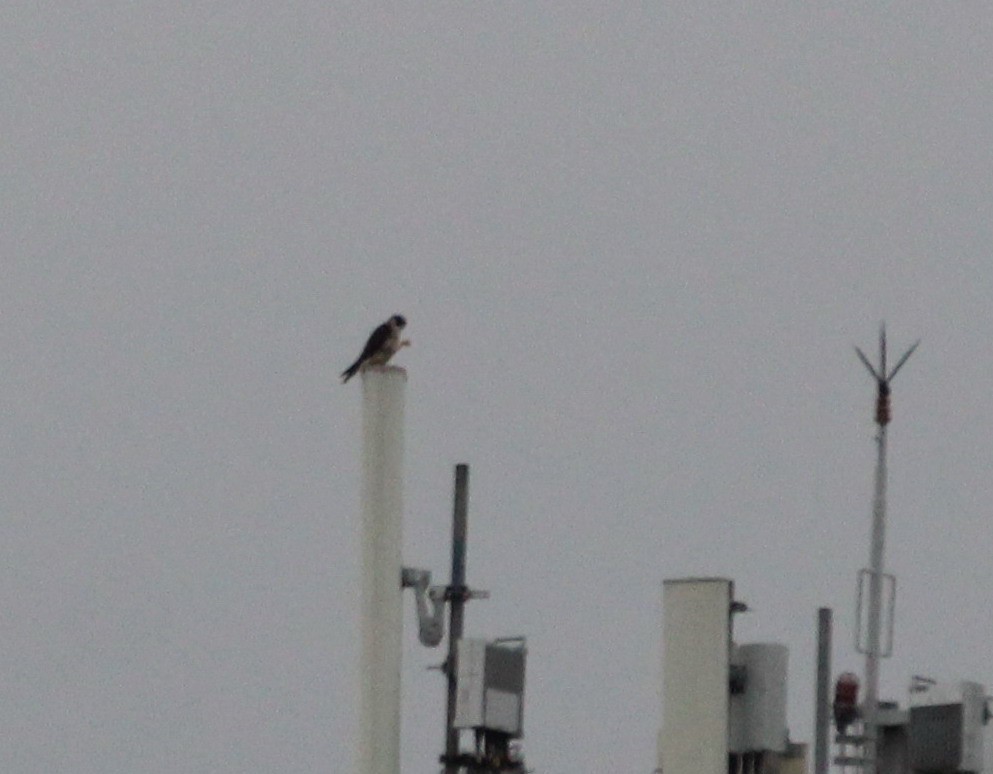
(846, 700)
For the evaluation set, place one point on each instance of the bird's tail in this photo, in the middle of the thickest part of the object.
(349, 372)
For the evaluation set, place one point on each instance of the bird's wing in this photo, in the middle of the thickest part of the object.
(377, 339)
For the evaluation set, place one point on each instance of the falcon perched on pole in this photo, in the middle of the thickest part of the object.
(383, 343)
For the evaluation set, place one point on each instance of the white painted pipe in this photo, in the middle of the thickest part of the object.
(382, 538)
(870, 706)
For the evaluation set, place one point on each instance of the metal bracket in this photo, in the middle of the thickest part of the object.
(889, 581)
(430, 623)
(462, 593)
(430, 620)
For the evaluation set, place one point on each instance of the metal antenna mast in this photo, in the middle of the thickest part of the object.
(873, 650)
(458, 593)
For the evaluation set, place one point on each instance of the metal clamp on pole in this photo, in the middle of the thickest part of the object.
(888, 603)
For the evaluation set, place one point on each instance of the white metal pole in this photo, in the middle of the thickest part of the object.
(382, 537)
(875, 617)
(870, 707)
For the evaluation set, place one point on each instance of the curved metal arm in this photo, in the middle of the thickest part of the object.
(430, 623)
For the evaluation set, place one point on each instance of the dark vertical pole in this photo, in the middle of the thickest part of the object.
(822, 718)
(457, 595)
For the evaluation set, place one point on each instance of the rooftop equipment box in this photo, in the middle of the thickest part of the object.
(946, 728)
(758, 711)
(491, 686)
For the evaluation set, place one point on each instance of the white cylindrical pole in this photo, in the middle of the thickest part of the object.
(870, 712)
(382, 537)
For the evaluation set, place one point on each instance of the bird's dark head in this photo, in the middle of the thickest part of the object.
(398, 321)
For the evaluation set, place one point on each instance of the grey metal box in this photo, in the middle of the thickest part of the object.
(490, 686)
(946, 729)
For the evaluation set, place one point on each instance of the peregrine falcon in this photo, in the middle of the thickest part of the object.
(383, 343)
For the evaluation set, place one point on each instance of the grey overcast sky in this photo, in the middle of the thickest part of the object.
(635, 244)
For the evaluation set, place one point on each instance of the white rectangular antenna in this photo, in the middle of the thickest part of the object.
(696, 651)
